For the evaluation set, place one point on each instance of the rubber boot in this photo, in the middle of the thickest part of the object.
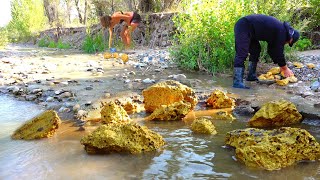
(238, 78)
(252, 75)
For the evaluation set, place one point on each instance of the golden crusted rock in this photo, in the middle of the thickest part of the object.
(292, 79)
(166, 93)
(311, 65)
(130, 107)
(124, 58)
(172, 112)
(282, 82)
(203, 126)
(276, 113)
(111, 112)
(107, 55)
(223, 115)
(115, 55)
(274, 70)
(128, 138)
(219, 99)
(298, 65)
(41, 126)
(273, 149)
(268, 76)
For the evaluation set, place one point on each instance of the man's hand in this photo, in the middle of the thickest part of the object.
(286, 71)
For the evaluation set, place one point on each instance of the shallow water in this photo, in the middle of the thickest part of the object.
(185, 155)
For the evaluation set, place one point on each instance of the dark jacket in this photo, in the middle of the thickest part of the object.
(274, 32)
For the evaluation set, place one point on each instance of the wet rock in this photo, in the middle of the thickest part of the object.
(117, 138)
(81, 114)
(166, 93)
(315, 85)
(111, 112)
(89, 88)
(31, 97)
(244, 110)
(317, 105)
(219, 99)
(171, 112)
(276, 113)
(273, 149)
(76, 108)
(65, 95)
(49, 99)
(88, 103)
(148, 81)
(35, 91)
(41, 126)
(223, 115)
(129, 106)
(203, 126)
(64, 109)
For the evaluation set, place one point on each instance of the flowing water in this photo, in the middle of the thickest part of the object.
(185, 155)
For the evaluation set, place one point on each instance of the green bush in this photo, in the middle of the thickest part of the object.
(44, 42)
(94, 43)
(3, 37)
(205, 31)
(62, 45)
(303, 44)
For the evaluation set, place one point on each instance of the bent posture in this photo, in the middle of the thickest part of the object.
(248, 31)
(132, 20)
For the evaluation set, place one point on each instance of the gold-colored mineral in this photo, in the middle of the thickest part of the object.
(219, 99)
(124, 58)
(128, 138)
(298, 65)
(111, 112)
(276, 113)
(115, 55)
(274, 70)
(282, 82)
(166, 93)
(203, 126)
(223, 115)
(172, 112)
(311, 65)
(107, 55)
(41, 126)
(273, 149)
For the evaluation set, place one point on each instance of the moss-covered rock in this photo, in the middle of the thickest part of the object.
(276, 113)
(203, 126)
(219, 99)
(166, 93)
(172, 112)
(111, 112)
(41, 126)
(128, 138)
(273, 149)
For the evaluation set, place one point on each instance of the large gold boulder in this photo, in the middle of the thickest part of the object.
(172, 112)
(273, 149)
(111, 112)
(166, 93)
(219, 99)
(41, 126)
(128, 138)
(203, 126)
(276, 113)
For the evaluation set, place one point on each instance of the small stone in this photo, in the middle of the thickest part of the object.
(50, 99)
(65, 95)
(64, 83)
(89, 88)
(127, 81)
(35, 91)
(88, 103)
(31, 97)
(107, 95)
(76, 108)
(148, 81)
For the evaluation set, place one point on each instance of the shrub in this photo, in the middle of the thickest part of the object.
(94, 43)
(303, 44)
(44, 42)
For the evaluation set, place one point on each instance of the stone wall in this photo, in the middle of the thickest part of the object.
(155, 30)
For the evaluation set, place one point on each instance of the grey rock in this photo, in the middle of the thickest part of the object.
(35, 91)
(31, 97)
(50, 99)
(89, 88)
(76, 108)
(66, 95)
(148, 81)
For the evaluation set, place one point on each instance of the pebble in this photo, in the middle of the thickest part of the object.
(65, 95)
(89, 88)
(76, 108)
(50, 99)
(148, 81)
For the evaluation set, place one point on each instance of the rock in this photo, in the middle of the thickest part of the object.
(111, 112)
(223, 115)
(107, 95)
(130, 107)
(244, 110)
(315, 85)
(65, 95)
(88, 103)
(81, 114)
(76, 108)
(317, 105)
(179, 77)
(64, 109)
(276, 113)
(148, 81)
(166, 93)
(49, 99)
(31, 97)
(298, 65)
(203, 126)
(273, 149)
(35, 91)
(128, 138)
(311, 65)
(219, 99)
(41, 126)
(171, 112)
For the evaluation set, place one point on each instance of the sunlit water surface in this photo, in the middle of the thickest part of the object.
(185, 155)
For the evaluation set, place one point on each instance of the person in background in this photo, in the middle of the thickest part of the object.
(132, 20)
(251, 29)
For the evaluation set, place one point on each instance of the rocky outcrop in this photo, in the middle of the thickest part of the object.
(273, 149)
(203, 126)
(276, 113)
(219, 99)
(166, 93)
(41, 126)
(172, 112)
(127, 138)
(111, 112)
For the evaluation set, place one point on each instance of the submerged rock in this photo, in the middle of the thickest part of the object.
(172, 112)
(41, 126)
(219, 99)
(203, 126)
(273, 149)
(129, 138)
(223, 115)
(166, 93)
(111, 112)
(276, 113)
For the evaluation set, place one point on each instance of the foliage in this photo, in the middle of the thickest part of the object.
(27, 18)
(303, 44)
(47, 42)
(44, 42)
(205, 37)
(3, 37)
(94, 43)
